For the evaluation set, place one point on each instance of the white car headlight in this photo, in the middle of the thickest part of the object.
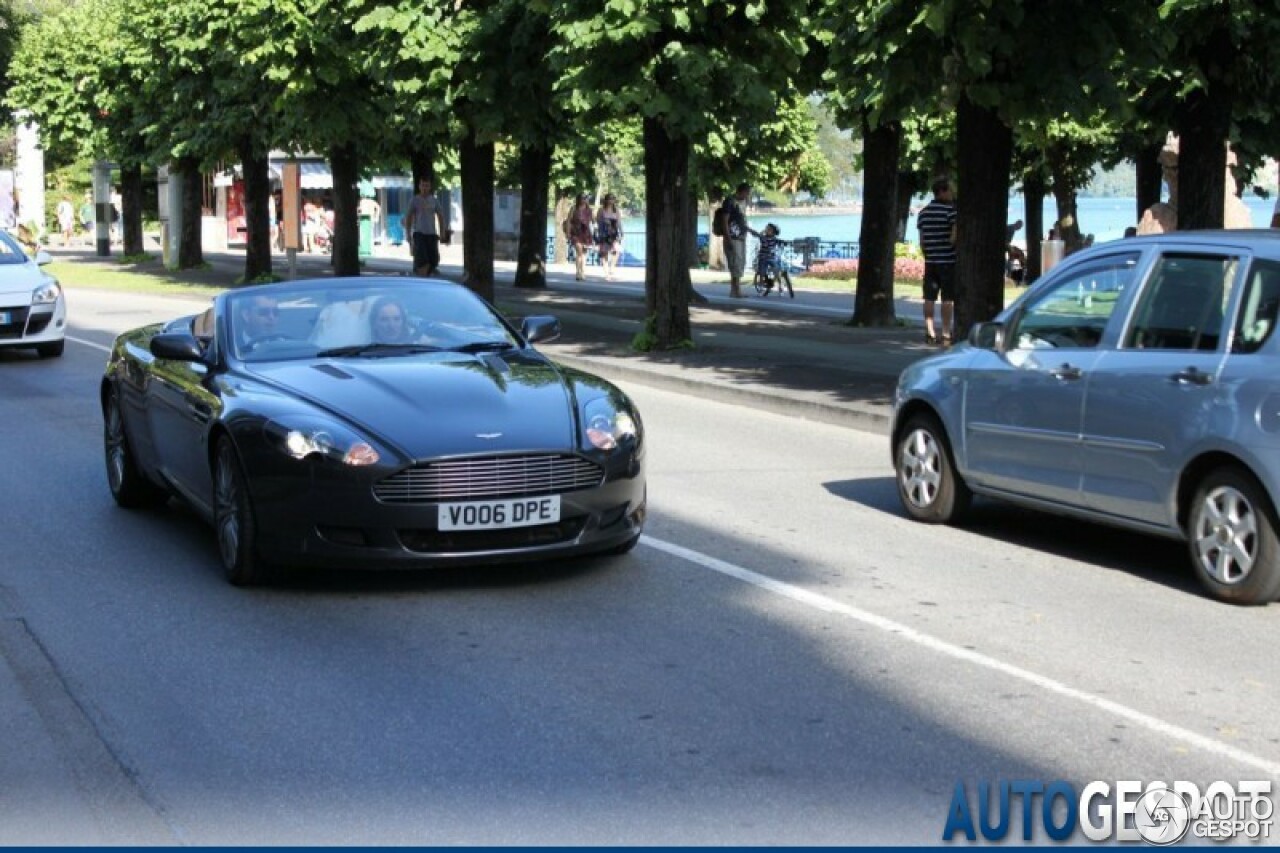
(46, 293)
(606, 426)
(304, 436)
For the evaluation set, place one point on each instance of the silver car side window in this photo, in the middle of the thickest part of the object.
(1259, 307)
(1183, 306)
(1074, 312)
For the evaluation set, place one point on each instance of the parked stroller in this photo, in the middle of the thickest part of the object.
(770, 271)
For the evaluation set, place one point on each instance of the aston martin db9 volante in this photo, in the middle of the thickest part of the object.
(371, 422)
(1138, 384)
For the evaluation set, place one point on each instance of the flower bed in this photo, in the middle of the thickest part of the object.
(906, 270)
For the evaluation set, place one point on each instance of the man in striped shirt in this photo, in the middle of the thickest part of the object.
(937, 224)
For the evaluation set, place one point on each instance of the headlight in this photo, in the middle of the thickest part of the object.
(305, 436)
(46, 293)
(606, 425)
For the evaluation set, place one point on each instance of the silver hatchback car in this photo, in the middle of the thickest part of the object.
(1137, 384)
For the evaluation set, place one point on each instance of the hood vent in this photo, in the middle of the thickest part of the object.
(335, 372)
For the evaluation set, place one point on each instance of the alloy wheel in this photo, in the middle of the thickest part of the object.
(1226, 535)
(116, 447)
(227, 499)
(920, 468)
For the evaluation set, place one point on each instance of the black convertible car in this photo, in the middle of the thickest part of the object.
(371, 422)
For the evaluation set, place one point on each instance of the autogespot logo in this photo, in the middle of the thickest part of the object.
(1156, 812)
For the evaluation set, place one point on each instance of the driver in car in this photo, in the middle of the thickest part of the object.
(257, 320)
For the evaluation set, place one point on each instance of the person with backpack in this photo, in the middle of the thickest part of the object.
(735, 238)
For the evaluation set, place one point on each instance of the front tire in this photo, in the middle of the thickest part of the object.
(928, 485)
(129, 487)
(51, 350)
(1231, 534)
(233, 520)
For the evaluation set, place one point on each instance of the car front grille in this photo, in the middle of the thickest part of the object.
(490, 477)
(467, 541)
(17, 322)
(37, 323)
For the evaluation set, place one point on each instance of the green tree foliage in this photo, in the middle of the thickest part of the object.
(1215, 78)
(993, 64)
(681, 67)
(57, 79)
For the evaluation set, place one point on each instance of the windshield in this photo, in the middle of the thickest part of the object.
(10, 251)
(380, 319)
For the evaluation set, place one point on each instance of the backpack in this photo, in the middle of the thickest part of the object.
(720, 222)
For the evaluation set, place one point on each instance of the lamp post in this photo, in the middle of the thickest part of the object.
(102, 206)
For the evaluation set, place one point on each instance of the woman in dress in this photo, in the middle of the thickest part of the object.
(609, 234)
(580, 220)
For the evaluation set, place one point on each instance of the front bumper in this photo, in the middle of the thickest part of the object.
(331, 519)
(28, 325)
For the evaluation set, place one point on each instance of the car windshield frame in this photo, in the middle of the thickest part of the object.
(11, 251)
(330, 319)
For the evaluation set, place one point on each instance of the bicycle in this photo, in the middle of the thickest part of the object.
(770, 276)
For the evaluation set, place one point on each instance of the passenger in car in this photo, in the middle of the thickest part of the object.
(389, 323)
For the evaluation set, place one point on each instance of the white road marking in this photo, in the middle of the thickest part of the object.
(828, 605)
(93, 344)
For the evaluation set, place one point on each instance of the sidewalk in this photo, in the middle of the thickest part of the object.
(793, 357)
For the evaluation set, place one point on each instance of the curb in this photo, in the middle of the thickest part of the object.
(849, 417)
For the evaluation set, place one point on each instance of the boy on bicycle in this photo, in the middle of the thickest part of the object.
(768, 260)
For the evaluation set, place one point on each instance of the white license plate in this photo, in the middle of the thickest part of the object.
(5, 317)
(495, 515)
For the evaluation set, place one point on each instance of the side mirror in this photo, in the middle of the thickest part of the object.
(987, 336)
(177, 346)
(43, 257)
(540, 328)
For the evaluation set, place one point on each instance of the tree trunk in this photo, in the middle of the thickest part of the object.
(345, 164)
(1064, 194)
(691, 244)
(908, 187)
(985, 156)
(1204, 123)
(666, 271)
(257, 215)
(1148, 177)
(873, 299)
(131, 202)
(564, 205)
(535, 186)
(422, 164)
(715, 245)
(1033, 196)
(190, 250)
(477, 215)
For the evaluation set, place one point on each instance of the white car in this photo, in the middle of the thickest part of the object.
(33, 309)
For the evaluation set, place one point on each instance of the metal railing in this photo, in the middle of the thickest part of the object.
(799, 254)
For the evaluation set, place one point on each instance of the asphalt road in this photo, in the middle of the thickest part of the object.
(784, 660)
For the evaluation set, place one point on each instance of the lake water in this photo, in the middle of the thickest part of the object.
(1105, 218)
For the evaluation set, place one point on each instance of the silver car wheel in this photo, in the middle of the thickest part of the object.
(226, 498)
(920, 468)
(1226, 535)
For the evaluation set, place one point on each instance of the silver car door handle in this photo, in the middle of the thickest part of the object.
(1067, 372)
(1192, 376)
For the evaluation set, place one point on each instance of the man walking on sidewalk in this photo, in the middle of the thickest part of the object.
(937, 224)
(424, 223)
